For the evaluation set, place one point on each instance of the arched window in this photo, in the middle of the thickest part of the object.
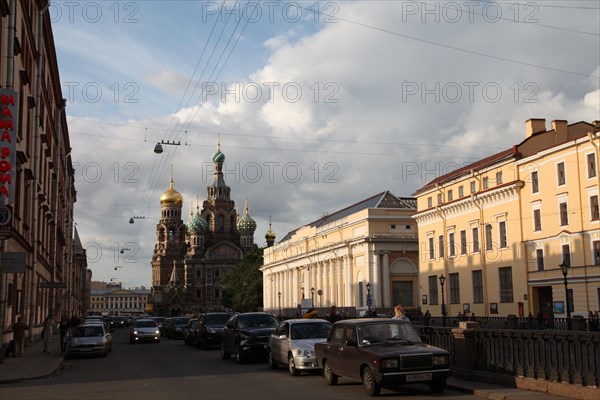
(220, 222)
(209, 221)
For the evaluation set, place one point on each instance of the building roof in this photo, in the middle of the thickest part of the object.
(384, 199)
(112, 291)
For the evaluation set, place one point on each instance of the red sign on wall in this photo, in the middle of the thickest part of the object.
(9, 103)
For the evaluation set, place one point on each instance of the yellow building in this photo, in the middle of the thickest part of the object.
(498, 230)
(368, 249)
(112, 299)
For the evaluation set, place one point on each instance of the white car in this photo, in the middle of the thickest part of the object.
(293, 343)
(144, 329)
(89, 339)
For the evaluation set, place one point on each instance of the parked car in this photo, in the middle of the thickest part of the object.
(189, 332)
(144, 329)
(247, 335)
(118, 322)
(381, 353)
(98, 319)
(159, 321)
(293, 343)
(89, 339)
(210, 328)
(173, 327)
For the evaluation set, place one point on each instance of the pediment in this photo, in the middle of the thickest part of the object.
(224, 251)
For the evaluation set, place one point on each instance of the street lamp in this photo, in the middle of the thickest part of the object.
(565, 271)
(368, 299)
(279, 295)
(442, 279)
(312, 296)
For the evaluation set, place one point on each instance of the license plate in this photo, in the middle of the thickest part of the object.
(418, 377)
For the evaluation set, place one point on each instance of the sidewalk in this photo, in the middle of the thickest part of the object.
(34, 364)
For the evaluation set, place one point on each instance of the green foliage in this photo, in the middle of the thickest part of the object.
(243, 286)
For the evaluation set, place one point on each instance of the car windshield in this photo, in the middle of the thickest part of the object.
(387, 331)
(144, 324)
(310, 330)
(257, 321)
(220, 319)
(88, 331)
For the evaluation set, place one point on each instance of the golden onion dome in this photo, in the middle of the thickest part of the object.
(171, 196)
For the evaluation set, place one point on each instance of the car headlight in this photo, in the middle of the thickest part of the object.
(440, 360)
(304, 353)
(157, 331)
(135, 332)
(178, 329)
(210, 330)
(389, 363)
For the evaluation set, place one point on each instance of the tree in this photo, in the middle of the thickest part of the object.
(243, 286)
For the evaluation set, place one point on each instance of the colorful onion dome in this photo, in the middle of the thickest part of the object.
(246, 225)
(197, 225)
(218, 157)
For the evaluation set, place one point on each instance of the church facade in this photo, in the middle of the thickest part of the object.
(189, 259)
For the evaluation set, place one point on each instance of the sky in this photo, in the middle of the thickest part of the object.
(318, 104)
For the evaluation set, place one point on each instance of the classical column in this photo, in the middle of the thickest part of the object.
(376, 280)
(386, 279)
(349, 281)
(338, 270)
(296, 285)
(319, 299)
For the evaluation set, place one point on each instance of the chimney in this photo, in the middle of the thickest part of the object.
(535, 125)
(559, 126)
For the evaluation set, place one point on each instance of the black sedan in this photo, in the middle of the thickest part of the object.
(173, 327)
(247, 335)
(210, 328)
(381, 353)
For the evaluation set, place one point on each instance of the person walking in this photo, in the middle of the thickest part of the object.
(47, 332)
(399, 313)
(64, 330)
(19, 329)
(333, 316)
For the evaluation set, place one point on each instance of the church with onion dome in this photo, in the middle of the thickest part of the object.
(189, 259)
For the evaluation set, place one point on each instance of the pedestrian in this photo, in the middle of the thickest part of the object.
(473, 317)
(333, 316)
(47, 332)
(19, 329)
(311, 313)
(64, 330)
(399, 313)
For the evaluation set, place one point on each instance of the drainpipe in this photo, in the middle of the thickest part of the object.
(36, 163)
(482, 255)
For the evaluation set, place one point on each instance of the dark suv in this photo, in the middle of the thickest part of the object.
(210, 327)
(173, 328)
(246, 335)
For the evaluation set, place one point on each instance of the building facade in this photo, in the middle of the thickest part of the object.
(499, 229)
(190, 259)
(366, 251)
(112, 299)
(41, 208)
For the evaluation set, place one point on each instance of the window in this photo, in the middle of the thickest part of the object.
(539, 255)
(591, 165)
(431, 249)
(454, 288)
(535, 183)
(429, 202)
(463, 242)
(503, 241)
(488, 237)
(560, 173)
(441, 246)
(472, 187)
(439, 198)
(486, 182)
(450, 195)
(506, 286)
(566, 253)
(499, 178)
(564, 214)
(594, 212)
(477, 277)
(537, 220)
(475, 232)
(596, 247)
(433, 291)
(461, 191)
(451, 245)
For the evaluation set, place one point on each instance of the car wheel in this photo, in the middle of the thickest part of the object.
(239, 356)
(438, 385)
(369, 383)
(272, 363)
(329, 376)
(292, 366)
(224, 355)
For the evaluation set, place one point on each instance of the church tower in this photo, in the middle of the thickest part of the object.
(168, 270)
(270, 235)
(246, 227)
